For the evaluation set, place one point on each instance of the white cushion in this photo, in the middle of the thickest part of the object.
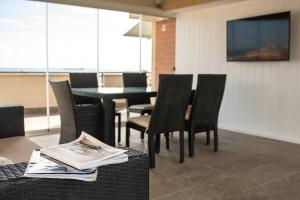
(5, 161)
(142, 107)
(141, 121)
(17, 149)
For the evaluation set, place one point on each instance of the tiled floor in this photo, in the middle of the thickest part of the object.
(245, 168)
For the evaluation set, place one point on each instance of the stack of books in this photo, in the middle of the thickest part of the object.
(75, 160)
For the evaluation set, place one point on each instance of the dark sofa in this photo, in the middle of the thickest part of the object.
(13, 143)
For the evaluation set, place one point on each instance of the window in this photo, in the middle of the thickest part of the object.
(22, 36)
(72, 42)
(146, 50)
(117, 52)
(73, 35)
(37, 36)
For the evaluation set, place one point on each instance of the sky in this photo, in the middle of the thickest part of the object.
(72, 38)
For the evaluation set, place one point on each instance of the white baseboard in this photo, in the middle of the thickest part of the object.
(264, 135)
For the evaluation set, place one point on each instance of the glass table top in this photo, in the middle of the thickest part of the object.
(116, 92)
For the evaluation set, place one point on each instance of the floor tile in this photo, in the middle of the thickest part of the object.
(246, 167)
(188, 194)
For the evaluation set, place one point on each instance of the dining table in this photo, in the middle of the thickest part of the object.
(107, 96)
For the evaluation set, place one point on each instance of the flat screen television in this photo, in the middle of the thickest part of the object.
(262, 38)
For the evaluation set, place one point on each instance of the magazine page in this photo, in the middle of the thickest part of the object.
(83, 153)
(44, 167)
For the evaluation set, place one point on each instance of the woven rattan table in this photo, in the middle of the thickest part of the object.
(128, 181)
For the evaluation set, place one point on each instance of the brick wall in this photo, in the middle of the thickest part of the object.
(164, 48)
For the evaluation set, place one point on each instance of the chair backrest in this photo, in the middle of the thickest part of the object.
(66, 108)
(207, 99)
(136, 80)
(173, 97)
(83, 80)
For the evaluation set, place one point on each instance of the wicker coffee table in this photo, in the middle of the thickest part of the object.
(128, 181)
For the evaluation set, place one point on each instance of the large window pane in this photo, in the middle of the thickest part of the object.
(146, 43)
(117, 52)
(23, 49)
(22, 35)
(72, 45)
(72, 38)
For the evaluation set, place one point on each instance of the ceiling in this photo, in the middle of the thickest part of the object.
(162, 8)
(145, 7)
(177, 6)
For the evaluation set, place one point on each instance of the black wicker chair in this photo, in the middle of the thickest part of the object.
(90, 80)
(203, 115)
(83, 80)
(168, 114)
(75, 118)
(139, 104)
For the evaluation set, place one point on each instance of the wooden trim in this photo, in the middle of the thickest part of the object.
(153, 74)
(176, 4)
(40, 110)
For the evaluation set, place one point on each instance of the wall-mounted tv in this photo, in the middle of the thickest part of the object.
(262, 38)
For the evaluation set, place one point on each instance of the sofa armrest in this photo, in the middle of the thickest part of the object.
(11, 121)
(126, 181)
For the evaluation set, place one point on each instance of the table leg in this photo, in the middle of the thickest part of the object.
(109, 121)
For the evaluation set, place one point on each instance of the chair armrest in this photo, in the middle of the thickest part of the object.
(11, 121)
(89, 119)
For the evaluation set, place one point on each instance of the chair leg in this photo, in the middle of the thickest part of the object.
(216, 138)
(167, 135)
(207, 136)
(191, 137)
(142, 133)
(127, 135)
(181, 138)
(151, 150)
(119, 127)
(189, 141)
(157, 143)
(128, 114)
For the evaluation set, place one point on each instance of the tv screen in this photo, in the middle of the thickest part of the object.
(263, 38)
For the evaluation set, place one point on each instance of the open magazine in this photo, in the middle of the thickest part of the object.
(43, 167)
(86, 152)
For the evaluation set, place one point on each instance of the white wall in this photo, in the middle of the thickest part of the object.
(261, 98)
